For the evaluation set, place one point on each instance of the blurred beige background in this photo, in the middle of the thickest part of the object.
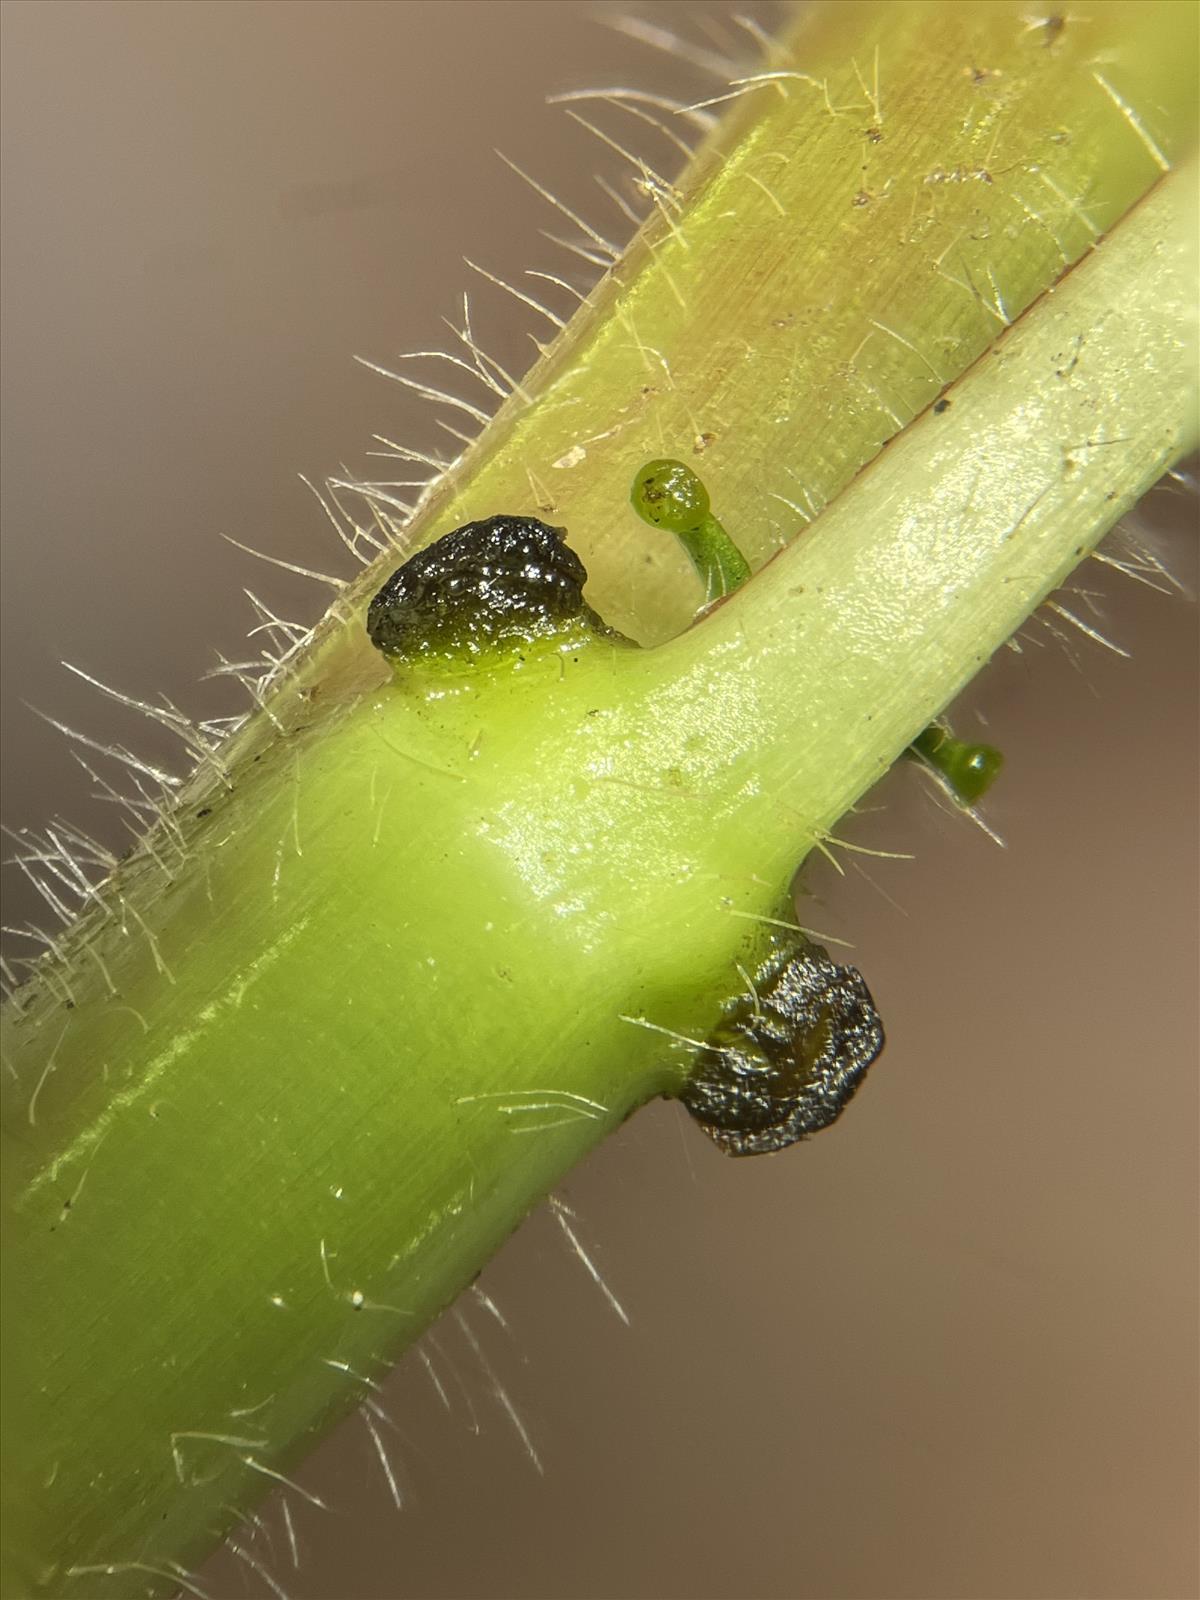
(946, 1350)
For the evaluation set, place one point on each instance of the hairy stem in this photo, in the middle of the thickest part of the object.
(393, 962)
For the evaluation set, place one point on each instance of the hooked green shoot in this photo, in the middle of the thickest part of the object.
(668, 494)
(969, 769)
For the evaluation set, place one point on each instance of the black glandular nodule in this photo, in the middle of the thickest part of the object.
(784, 1061)
(488, 588)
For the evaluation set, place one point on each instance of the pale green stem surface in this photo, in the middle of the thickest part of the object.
(371, 994)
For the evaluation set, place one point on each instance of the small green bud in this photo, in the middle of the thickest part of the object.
(969, 769)
(977, 768)
(670, 495)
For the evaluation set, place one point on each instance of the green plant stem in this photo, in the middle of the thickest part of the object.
(381, 982)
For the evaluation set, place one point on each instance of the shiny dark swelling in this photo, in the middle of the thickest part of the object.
(488, 585)
(788, 1055)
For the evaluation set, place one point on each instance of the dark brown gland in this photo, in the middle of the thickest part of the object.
(785, 1061)
(489, 588)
